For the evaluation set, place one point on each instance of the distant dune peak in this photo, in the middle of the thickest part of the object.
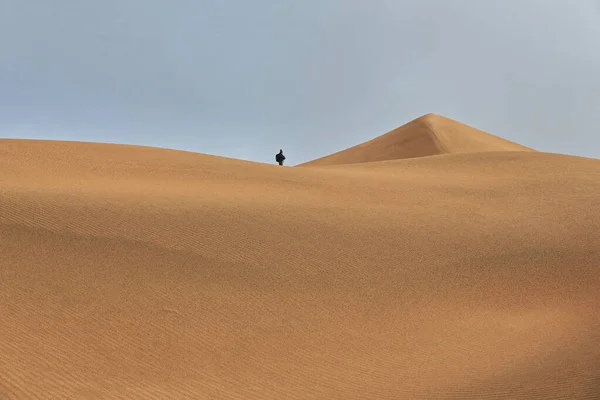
(428, 135)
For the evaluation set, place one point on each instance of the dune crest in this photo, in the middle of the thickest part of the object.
(428, 135)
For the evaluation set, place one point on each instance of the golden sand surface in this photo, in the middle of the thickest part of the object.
(434, 262)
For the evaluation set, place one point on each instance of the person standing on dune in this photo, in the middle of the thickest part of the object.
(279, 157)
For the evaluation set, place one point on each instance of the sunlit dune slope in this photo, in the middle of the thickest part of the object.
(428, 135)
(141, 273)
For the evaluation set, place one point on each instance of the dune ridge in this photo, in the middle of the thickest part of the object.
(131, 272)
(428, 135)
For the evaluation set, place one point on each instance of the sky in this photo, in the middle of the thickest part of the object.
(243, 79)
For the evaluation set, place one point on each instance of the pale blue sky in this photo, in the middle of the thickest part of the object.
(243, 79)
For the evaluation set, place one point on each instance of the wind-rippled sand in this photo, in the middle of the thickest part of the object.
(142, 273)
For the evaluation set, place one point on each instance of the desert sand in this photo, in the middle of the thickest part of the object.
(428, 135)
(434, 262)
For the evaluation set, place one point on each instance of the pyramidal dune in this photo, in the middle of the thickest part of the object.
(464, 266)
(428, 135)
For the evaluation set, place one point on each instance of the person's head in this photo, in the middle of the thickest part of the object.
(280, 151)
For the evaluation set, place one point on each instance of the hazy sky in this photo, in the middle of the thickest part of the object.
(243, 78)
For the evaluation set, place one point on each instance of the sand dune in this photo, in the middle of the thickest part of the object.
(428, 135)
(141, 273)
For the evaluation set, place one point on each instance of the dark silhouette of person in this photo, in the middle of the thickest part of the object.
(279, 157)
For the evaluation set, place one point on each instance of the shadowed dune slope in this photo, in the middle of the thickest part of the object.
(428, 135)
(140, 273)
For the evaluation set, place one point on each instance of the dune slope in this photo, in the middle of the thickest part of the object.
(140, 273)
(428, 135)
